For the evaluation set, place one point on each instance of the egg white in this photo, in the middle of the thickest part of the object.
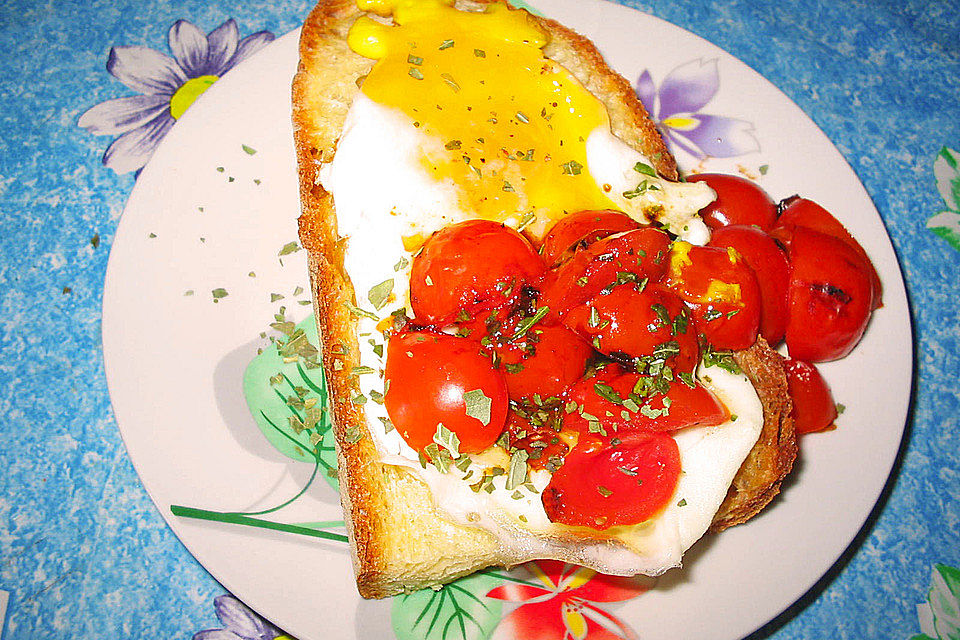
(382, 193)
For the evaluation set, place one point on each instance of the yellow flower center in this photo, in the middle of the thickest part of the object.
(680, 123)
(188, 94)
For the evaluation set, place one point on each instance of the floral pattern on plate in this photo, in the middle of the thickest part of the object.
(676, 106)
(166, 87)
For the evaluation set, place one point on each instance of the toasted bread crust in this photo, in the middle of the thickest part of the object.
(771, 459)
(392, 551)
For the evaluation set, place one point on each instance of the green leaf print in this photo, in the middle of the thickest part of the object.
(946, 171)
(287, 395)
(457, 611)
(944, 601)
(939, 616)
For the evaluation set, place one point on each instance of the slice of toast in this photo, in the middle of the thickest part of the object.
(399, 539)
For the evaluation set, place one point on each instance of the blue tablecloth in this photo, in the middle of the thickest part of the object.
(83, 551)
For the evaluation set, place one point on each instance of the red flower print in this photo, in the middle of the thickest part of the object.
(562, 606)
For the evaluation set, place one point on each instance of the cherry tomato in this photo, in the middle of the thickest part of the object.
(800, 212)
(544, 446)
(544, 360)
(721, 291)
(632, 256)
(616, 402)
(769, 264)
(430, 377)
(813, 405)
(739, 201)
(830, 297)
(637, 324)
(602, 484)
(580, 229)
(469, 267)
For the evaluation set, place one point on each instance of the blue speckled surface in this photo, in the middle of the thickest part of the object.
(83, 551)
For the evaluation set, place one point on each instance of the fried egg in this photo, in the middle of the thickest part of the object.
(463, 117)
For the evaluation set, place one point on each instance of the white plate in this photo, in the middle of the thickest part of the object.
(175, 363)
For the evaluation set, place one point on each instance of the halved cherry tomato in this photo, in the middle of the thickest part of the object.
(721, 291)
(602, 484)
(469, 267)
(579, 230)
(637, 324)
(631, 256)
(813, 405)
(739, 201)
(769, 264)
(430, 377)
(616, 402)
(830, 297)
(545, 359)
(800, 212)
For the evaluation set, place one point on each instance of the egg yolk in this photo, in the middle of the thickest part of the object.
(507, 126)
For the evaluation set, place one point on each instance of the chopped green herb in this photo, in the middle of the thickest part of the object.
(219, 293)
(450, 82)
(571, 168)
(357, 311)
(527, 323)
(415, 73)
(522, 117)
(764, 168)
(527, 218)
(380, 293)
(517, 473)
(606, 493)
(478, 405)
(248, 150)
(607, 392)
(480, 53)
(448, 440)
(645, 169)
(412, 59)
(682, 503)
(287, 249)
(446, 44)
(360, 370)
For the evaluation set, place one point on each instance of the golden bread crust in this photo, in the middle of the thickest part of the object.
(399, 542)
(771, 459)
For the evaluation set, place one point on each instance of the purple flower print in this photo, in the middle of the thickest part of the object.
(167, 87)
(676, 110)
(239, 623)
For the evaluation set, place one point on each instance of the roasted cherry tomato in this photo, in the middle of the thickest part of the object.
(769, 264)
(800, 212)
(721, 291)
(602, 484)
(615, 402)
(629, 257)
(813, 405)
(639, 323)
(543, 359)
(830, 297)
(469, 267)
(544, 445)
(739, 201)
(579, 230)
(433, 379)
